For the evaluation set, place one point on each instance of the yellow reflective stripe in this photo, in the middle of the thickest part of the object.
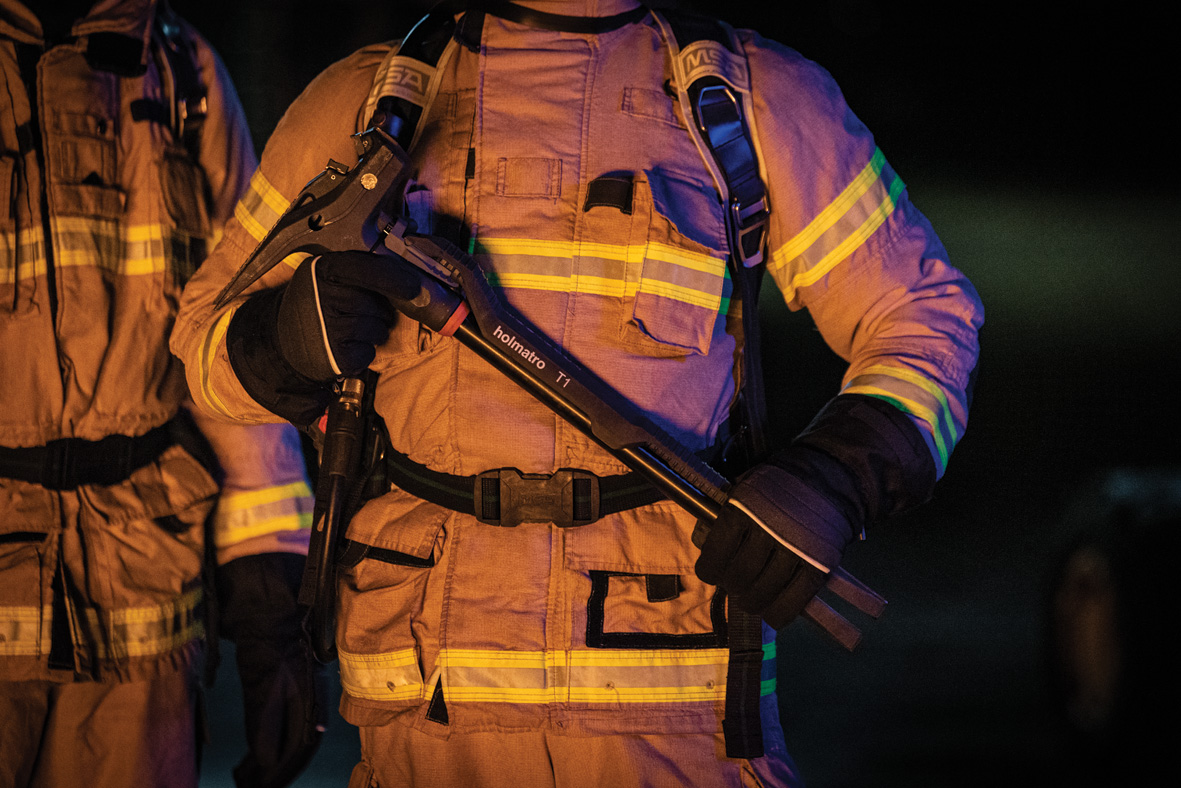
(147, 631)
(24, 631)
(243, 515)
(536, 677)
(819, 247)
(26, 247)
(655, 282)
(120, 633)
(827, 218)
(680, 293)
(134, 250)
(632, 253)
(209, 348)
(245, 500)
(917, 396)
(260, 207)
(389, 676)
(584, 676)
(592, 285)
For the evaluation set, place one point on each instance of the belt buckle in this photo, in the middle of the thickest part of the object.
(506, 497)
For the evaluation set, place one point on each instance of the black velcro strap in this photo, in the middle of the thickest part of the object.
(67, 463)
(742, 724)
(458, 493)
(612, 191)
(151, 111)
(663, 588)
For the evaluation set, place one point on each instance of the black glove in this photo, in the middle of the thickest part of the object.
(288, 345)
(789, 520)
(284, 689)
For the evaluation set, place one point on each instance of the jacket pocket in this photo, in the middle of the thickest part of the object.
(149, 530)
(677, 267)
(383, 585)
(85, 172)
(636, 584)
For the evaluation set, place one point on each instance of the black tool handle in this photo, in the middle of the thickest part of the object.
(343, 434)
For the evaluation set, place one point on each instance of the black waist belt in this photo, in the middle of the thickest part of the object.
(66, 463)
(508, 497)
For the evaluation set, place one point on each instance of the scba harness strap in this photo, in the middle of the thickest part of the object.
(711, 78)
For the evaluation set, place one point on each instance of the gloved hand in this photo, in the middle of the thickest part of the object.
(284, 689)
(789, 520)
(775, 541)
(288, 345)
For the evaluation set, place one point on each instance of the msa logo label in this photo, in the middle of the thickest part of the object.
(709, 58)
(518, 348)
(408, 79)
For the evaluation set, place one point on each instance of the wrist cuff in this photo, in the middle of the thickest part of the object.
(256, 359)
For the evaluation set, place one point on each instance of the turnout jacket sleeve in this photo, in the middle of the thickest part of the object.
(226, 149)
(316, 127)
(845, 243)
(264, 502)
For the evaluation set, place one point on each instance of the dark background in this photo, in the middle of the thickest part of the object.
(1040, 143)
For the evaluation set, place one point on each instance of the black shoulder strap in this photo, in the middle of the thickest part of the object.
(188, 100)
(404, 85)
(710, 74)
(711, 78)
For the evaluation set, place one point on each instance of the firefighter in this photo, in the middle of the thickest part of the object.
(123, 150)
(551, 139)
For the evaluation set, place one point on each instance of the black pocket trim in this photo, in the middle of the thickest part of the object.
(437, 710)
(596, 611)
(17, 537)
(350, 553)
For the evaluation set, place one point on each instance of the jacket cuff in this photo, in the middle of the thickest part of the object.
(253, 348)
(866, 455)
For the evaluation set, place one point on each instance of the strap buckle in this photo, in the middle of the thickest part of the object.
(718, 112)
(507, 497)
(745, 228)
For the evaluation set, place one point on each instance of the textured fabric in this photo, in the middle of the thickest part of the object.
(535, 633)
(141, 733)
(108, 218)
(551, 760)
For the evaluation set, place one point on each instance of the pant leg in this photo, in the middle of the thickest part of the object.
(128, 735)
(399, 757)
(662, 761)
(24, 706)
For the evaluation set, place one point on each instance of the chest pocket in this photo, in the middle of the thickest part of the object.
(85, 167)
(678, 287)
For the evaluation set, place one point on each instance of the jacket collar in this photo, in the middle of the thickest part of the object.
(129, 20)
(580, 7)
